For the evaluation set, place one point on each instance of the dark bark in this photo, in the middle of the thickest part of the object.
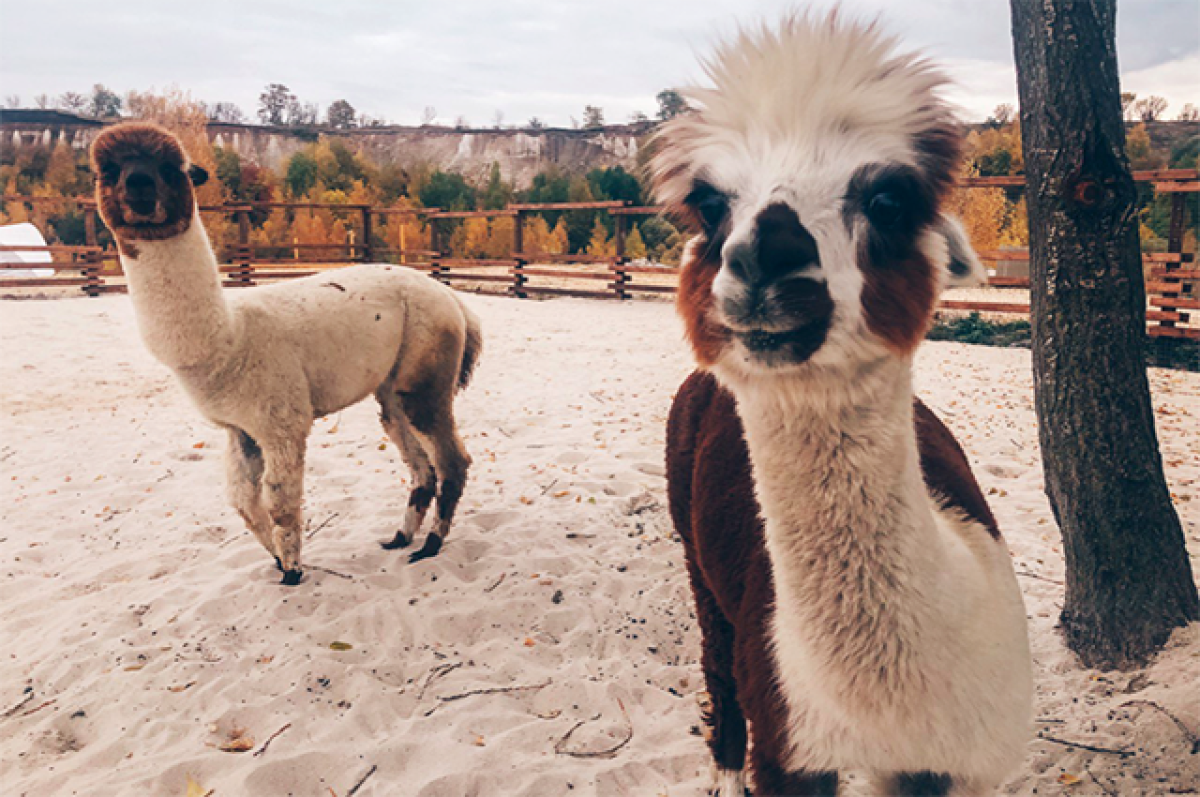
(1129, 580)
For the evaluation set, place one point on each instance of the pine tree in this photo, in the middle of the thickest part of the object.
(635, 247)
(600, 245)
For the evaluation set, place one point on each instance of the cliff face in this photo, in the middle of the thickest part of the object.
(520, 153)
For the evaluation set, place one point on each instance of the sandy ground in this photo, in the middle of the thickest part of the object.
(143, 630)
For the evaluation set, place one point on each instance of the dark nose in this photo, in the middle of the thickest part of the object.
(781, 247)
(141, 192)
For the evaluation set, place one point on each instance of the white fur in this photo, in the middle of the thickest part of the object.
(729, 783)
(899, 633)
(269, 360)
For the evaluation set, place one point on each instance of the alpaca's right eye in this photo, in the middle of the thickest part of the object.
(711, 205)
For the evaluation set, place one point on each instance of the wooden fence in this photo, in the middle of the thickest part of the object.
(1171, 285)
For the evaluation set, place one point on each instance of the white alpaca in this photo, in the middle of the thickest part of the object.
(265, 362)
(858, 605)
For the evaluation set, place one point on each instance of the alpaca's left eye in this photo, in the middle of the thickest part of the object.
(885, 210)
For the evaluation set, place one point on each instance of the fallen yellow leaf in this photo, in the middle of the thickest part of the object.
(1067, 779)
(194, 789)
(340, 646)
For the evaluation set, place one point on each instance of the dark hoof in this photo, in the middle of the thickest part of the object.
(291, 577)
(433, 544)
(399, 541)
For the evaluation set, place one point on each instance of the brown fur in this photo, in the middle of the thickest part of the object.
(694, 301)
(121, 144)
(898, 300)
(713, 506)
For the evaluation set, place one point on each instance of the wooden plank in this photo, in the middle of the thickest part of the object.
(1169, 257)
(282, 275)
(639, 210)
(44, 282)
(1164, 287)
(1170, 301)
(568, 206)
(668, 270)
(1177, 188)
(476, 277)
(567, 292)
(1166, 315)
(470, 214)
(54, 249)
(1008, 282)
(1192, 333)
(471, 262)
(557, 258)
(1185, 274)
(633, 286)
(51, 266)
(985, 307)
(547, 272)
(1166, 174)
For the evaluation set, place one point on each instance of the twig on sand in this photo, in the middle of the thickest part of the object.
(331, 572)
(1028, 574)
(560, 747)
(495, 583)
(36, 709)
(1109, 792)
(270, 739)
(549, 486)
(28, 697)
(495, 690)
(438, 672)
(1185, 730)
(324, 523)
(1047, 738)
(362, 780)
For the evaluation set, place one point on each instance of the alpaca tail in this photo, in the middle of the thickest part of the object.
(474, 347)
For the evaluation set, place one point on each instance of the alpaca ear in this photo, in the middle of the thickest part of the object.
(198, 175)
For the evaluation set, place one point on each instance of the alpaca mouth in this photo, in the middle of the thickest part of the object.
(142, 212)
(760, 341)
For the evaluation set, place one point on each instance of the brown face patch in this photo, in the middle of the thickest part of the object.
(156, 155)
(892, 206)
(694, 301)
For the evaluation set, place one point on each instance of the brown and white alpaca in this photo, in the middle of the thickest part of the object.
(265, 362)
(857, 603)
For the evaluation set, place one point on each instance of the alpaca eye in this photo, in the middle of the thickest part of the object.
(168, 171)
(885, 210)
(712, 210)
(110, 173)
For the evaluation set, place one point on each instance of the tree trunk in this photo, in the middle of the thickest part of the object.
(1129, 580)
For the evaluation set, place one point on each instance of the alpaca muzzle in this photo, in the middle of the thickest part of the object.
(140, 195)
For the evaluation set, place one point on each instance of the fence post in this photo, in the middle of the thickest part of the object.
(89, 226)
(620, 275)
(518, 269)
(92, 260)
(367, 254)
(1174, 246)
(244, 255)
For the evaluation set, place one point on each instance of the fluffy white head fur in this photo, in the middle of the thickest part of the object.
(798, 114)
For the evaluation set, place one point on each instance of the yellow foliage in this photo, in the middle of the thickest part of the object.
(536, 235)
(635, 247)
(559, 241)
(600, 245)
(983, 212)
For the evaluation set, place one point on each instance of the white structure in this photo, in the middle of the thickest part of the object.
(24, 234)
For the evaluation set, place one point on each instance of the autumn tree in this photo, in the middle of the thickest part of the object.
(226, 112)
(1002, 115)
(535, 123)
(635, 246)
(273, 104)
(1127, 100)
(428, 116)
(599, 244)
(341, 114)
(73, 101)
(1149, 109)
(1129, 581)
(670, 104)
(1189, 113)
(593, 117)
(104, 104)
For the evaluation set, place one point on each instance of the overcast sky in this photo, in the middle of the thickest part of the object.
(524, 58)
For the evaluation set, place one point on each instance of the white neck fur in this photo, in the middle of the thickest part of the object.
(175, 286)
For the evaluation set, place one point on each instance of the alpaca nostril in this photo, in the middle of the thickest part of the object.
(139, 185)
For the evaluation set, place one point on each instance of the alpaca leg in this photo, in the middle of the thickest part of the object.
(770, 778)
(424, 478)
(243, 477)
(283, 494)
(719, 709)
(437, 433)
(917, 784)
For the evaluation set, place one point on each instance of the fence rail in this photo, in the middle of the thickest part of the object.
(1171, 284)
